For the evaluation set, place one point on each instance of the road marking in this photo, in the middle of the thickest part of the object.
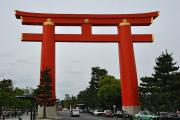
(91, 117)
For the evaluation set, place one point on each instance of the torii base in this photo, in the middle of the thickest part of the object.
(131, 109)
(50, 113)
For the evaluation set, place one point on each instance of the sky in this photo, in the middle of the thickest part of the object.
(20, 61)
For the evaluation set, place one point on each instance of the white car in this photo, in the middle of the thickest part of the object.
(98, 112)
(75, 112)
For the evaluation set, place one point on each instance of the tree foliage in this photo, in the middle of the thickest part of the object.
(44, 91)
(89, 96)
(8, 95)
(161, 91)
(103, 91)
(95, 76)
(109, 92)
(69, 101)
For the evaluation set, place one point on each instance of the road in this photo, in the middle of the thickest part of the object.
(65, 115)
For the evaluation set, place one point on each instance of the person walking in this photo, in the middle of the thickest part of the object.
(0, 113)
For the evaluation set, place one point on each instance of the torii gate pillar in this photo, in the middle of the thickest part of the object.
(48, 60)
(48, 51)
(129, 85)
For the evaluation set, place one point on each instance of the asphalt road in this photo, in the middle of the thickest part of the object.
(65, 115)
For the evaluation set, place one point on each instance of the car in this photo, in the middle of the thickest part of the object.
(65, 109)
(107, 113)
(91, 111)
(123, 115)
(98, 112)
(146, 115)
(163, 115)
(172, 116)
(75, 112)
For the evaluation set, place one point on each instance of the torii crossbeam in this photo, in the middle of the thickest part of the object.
(124, 38)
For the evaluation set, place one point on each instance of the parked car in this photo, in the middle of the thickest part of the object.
(98, 112)
(107, 113)
(91, 111)
(163, 115)
(172, 116)
(178, 114)
(65, 109)
(123, 115)
(75, 112)
(146, 115)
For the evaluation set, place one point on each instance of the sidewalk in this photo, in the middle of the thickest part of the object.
(24, 117)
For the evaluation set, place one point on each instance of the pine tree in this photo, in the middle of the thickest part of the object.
(43, 93)
(89, 96)
(148, 93)
(161, 91)
(95, 76)
(166, 74)
(93, 85)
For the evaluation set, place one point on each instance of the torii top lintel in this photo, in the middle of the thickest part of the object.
(140, 19)
(86, 21)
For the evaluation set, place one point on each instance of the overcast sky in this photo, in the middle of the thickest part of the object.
(20, 61)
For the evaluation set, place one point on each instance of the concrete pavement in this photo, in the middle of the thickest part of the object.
(23, 117)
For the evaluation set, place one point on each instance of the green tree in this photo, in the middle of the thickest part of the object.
(69, 101)
(166, 75)
(8, 95)
(18, 91)
(89, 95)
(148, 93)
(43, 93)
(6, 92)
(6, 85)
(163, 87)
(109, 92)
(97, 72)
(84, 97)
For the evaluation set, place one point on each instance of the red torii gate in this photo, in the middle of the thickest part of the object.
(124, 38)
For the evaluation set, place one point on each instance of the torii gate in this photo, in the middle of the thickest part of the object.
(124, 38)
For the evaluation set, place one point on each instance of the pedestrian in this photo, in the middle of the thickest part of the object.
(0, 112)
(20, 118)
(3, 114)
(27, 111)
(7, 113)
(15, 113)
(178, 113)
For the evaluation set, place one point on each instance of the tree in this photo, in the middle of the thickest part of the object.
(6, 85)
(89, 95)
(163, 87)
(95, 76)
(97, 72)
(6, 92)
(109, 92)
(148, 93)
(43, 93)
(68, 101)
(166, 75)
(8, 95)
